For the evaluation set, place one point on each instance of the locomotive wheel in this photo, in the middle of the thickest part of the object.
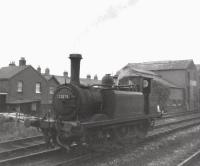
(98, 135)
(62, 137)
(67, 143)
(109, 134)
(122, 131)
(63, 143)
(49, 138)
(141, 130)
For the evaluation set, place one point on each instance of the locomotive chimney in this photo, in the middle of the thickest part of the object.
(75, 68)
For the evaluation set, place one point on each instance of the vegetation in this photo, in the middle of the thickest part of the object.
(161, 93)
(11, 129)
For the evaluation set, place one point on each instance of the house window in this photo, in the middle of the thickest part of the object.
(38, 87)
(33, 106)
(51, 90)
(19, 86)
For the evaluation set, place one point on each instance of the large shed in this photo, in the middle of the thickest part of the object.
(182, 73)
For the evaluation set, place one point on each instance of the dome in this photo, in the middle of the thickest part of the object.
(108, 80)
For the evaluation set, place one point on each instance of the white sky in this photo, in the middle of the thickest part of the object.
(108, 33)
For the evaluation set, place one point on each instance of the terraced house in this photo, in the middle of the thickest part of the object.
(25, 89)
(22, 88)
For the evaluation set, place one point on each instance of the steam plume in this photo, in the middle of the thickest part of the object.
(112, 12)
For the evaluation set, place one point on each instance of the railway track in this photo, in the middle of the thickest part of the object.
(183, 113)
(173, 120)
(34, 150)
(192, 160)
(160, 132)
(20, 142)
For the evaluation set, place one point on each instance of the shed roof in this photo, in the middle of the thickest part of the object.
(166, 83)
(163, 65)
(10, 71)
(130, 71)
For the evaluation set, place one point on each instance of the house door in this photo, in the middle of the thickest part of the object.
(2, 103)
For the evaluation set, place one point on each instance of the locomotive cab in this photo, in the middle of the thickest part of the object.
(138, 83)
(146, 89)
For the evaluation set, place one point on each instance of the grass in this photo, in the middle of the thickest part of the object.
(11, 129)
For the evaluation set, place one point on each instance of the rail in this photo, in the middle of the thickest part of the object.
(57, 158)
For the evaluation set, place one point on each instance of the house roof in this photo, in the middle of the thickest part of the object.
(22, 101)
(84, 81)
(62, 79)
(163, 65)
(198, 67)
(47, 77)
(10, 71)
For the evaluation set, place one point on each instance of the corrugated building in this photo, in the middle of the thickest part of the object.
(128, 73)
(182, 73)
(198, 78)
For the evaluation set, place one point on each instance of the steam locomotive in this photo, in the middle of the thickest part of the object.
(97, 113)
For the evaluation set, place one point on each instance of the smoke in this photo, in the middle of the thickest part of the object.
(112, 12)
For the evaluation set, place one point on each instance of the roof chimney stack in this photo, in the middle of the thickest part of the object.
(47, 71)
(95, 77)
(89, 76)
(12, 63)
(65, 74)
(22, 62)
(39, 69)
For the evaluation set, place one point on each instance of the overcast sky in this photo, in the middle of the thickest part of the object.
(108, 33)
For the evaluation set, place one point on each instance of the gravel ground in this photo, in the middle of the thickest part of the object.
(168, 151)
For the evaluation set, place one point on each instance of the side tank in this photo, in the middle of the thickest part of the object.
(122, 104)
(90, 102)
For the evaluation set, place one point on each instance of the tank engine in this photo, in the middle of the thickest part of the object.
(96, 113)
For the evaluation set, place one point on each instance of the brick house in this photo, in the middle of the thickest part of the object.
(182, 73)
(22, 88)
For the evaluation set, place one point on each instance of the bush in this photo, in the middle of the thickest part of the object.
(161, 92)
